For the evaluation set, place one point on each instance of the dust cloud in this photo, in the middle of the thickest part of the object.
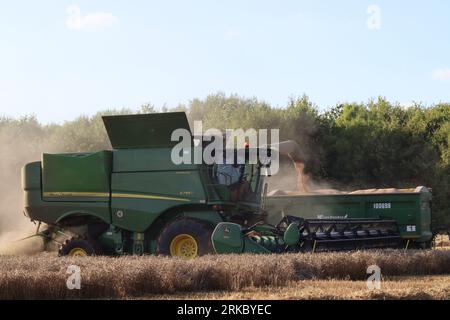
(20, 143)
(292, 177)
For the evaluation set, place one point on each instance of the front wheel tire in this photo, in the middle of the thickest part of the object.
(186, 238)
(78, 247)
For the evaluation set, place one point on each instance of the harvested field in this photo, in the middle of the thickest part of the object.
(443, 241)
(44, 275)
(395, 288)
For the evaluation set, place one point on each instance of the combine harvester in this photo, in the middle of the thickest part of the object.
(135, 200)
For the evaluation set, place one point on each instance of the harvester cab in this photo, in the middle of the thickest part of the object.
(238, 178)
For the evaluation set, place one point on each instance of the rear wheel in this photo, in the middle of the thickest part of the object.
(186, 238)
(77, 247)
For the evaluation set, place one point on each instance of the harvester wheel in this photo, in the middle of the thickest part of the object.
(186, 238)
(78, 247)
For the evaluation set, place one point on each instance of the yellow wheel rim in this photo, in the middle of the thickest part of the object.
(184, 246)
(78, 252)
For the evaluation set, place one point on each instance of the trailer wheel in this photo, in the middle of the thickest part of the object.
(186, 238)
(77, 247)
(434, 239)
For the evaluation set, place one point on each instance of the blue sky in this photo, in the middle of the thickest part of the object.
(60, 59)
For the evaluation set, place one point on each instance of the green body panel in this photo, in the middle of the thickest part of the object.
(112, 241)
(154, 159)
(250, 246)
(144, 130)
(227, 238)
(407, 208)
(292, 235)
(76, 176)
(211, 216)
(31, 176)
(146, 183)
(52, 212)
(135, 214)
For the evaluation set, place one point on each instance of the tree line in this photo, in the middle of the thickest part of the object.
(375, 144)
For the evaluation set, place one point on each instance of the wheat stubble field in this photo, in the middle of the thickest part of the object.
(406, 275)
(392, 288)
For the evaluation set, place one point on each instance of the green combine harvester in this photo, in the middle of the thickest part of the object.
(135, 200)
